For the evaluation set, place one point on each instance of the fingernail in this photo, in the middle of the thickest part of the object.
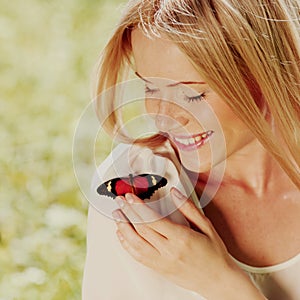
(120, 201)
(117, 216)
(129, 198)
(177, 194)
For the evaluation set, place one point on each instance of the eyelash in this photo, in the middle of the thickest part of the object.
(199, 97)
(186, 98)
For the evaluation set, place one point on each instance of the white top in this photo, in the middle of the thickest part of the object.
(112, 274)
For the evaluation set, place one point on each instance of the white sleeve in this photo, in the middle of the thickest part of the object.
(110, 273)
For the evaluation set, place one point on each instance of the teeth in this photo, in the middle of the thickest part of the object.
(192, 141)
(186, 142)
(182, 141)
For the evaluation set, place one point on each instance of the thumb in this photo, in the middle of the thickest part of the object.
(187, 207)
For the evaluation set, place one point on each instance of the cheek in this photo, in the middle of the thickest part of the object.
(227, 118)
(224, 114)
(235, 131)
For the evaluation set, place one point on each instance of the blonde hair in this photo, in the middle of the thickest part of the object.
(245, 43)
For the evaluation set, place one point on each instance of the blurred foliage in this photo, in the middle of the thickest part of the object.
(48, 53)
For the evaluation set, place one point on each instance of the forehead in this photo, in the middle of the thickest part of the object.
(160, 57)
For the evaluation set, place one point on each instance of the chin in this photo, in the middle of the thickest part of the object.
(194, 163)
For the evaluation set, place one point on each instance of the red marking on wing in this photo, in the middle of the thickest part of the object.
(141, 185)
(122, 187)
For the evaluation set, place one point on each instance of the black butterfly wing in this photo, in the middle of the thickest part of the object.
(108, 188)
(154, 183)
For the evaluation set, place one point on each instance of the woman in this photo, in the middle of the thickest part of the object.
(242, 59)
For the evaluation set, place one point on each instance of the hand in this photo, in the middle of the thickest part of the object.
(195, 259)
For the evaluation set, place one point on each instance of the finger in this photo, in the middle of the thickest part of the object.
(191, 212)
(128, 236)
(126, 208)
(145, 231)
(157, 222)
(139, 250)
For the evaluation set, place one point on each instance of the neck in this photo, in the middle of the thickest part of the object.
(254, 170)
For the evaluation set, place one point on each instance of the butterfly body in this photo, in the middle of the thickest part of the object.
(142, 185)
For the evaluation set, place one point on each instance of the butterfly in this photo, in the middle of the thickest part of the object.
(142, 185)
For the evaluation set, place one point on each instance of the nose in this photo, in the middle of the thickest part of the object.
(169, 116)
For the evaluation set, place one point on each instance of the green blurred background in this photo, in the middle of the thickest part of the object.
(47, 55)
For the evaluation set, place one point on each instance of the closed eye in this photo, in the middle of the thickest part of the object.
(195, 98)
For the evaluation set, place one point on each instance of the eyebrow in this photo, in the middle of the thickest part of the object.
(172, 84)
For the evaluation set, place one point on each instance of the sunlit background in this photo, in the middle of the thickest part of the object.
(48, 50)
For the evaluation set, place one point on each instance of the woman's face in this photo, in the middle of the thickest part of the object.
(195, 119)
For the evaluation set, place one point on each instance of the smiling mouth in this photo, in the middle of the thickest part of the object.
(188, 143)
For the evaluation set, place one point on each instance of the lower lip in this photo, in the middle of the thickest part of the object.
(197, 145)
